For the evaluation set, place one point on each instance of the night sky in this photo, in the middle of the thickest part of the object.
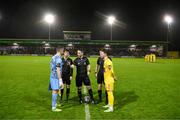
(143, 19)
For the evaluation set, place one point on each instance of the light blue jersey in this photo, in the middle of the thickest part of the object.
(56, 61)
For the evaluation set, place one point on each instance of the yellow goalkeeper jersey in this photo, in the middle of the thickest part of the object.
(108, 71)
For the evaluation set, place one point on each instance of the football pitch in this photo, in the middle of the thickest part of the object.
(142, 90)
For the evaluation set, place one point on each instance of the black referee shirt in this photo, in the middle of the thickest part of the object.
(66, 68)
(100, 62)
(81, 65)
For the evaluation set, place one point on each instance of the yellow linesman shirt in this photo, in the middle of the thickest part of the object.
(108, 73)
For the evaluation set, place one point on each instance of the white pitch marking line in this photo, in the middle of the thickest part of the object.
(87, 112)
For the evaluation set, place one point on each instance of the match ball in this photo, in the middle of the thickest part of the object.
(86, 99)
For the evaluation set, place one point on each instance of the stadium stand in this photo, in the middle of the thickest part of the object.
(119, 48)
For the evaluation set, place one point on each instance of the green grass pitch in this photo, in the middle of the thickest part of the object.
(143, 90)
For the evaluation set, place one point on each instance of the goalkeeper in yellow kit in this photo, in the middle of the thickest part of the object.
(109, 78)
(150, 58)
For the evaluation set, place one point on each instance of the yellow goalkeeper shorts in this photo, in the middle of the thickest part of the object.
(109, 86)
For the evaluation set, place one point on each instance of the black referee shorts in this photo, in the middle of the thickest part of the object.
(82, 79)
(100, 78)
(66, 79)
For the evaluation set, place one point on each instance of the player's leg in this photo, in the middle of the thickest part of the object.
(62, 93)
(67, 92)
(54, 98)
(79, 88)
(100, 92)
(87, 83)
(90, 93)
(111, 101)
(80, 94)
(55, 89)
(54, 101)
(106, 102)
(154, 58)
(106, 93)
(148, 58)
(68, 88)
(110, 88)
(151, 57)
(62, 89)
(99, 81)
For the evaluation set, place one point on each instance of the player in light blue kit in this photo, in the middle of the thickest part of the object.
(55, 77)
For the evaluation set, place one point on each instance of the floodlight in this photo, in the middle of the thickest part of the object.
(168, 19)
(49, 18)
(111, 19)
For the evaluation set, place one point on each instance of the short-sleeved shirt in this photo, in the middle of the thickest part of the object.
(100, 62)
(81, 65)
(66, 68)
(56, 61)
(108, 74)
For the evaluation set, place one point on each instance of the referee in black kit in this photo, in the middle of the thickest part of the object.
(67, 73)
(99, 73)
(83, 70)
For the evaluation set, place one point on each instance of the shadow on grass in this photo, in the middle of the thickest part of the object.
(43, 99)
(72, 102)
(125, 98)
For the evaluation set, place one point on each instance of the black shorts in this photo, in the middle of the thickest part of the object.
(66, 79)
(100, 78)
(82, 79)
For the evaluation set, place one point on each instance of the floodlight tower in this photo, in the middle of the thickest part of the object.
(111, 20)
(168, 19)
(49, 18)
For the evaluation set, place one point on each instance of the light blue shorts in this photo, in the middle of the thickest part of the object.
(54, 84)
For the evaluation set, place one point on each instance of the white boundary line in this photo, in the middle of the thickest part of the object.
(86, 107)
